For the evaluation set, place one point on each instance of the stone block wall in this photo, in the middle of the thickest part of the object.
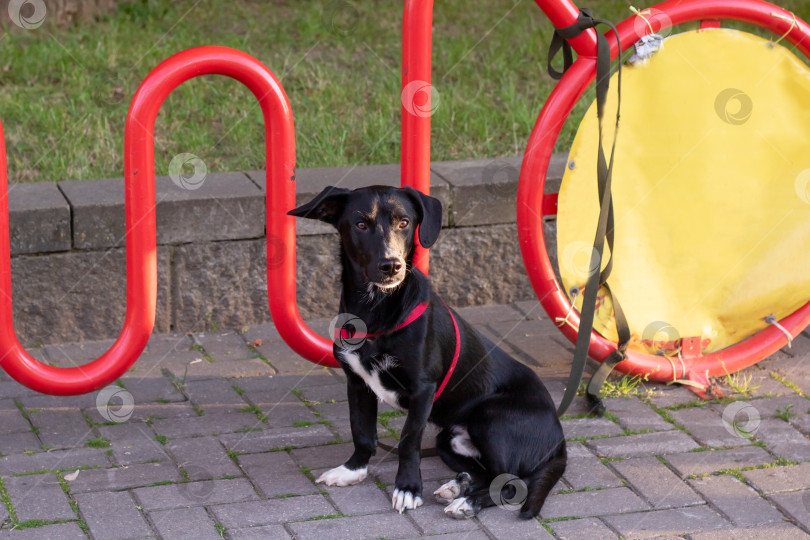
(69, 262)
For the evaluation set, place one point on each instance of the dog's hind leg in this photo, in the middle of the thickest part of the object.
(542, 482)
(469, 469)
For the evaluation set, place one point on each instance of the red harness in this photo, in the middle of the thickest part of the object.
(345, 333)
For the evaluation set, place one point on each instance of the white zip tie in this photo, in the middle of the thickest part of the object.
(770, 319)
(646, 20)
(564, 320)
(793, 24)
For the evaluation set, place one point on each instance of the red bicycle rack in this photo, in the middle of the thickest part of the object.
(139, 172)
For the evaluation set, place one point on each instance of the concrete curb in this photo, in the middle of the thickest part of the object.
(68, 264)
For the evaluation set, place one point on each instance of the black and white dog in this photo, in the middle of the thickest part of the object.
(498, 420)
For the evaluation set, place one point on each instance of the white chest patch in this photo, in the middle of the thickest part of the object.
(372, 379)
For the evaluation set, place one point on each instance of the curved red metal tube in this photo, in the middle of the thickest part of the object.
(139, 172)
(416, 108)
(535, 166)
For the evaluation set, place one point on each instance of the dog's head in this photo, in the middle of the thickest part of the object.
(377, 227)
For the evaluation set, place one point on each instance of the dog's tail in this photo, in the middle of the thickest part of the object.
(542, 481)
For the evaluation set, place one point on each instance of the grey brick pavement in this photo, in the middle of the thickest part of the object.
(229, 429)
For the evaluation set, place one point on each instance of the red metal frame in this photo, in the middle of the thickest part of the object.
(535, 166)
(417, 35)
(139, 172)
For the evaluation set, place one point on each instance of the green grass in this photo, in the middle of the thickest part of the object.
(98, 442)
(64, 92)
(785, 413)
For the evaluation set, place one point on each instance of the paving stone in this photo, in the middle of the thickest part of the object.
(579, 529)
(185, 524)
(60, 428)
(185, 368)
(783, 440)
(669, 396)
(153, 389)
(644, 444)
(62, 531)
(531, 309)
(796, 503)
(576, 449)
(768, 531)
(285, 360)
(708, 427)
(57, 459)
(215, 396)
(667, 523)
(160, 411)
(17, 443)
(112, 515)
(124, 477)
(224, 345)
(363, 498)
(288, 414)
(390, 525)
(742, 505)
(778, 479)
(151, 366)
(200, 493)
(259, 533)
(657, 484)
(589, 472)
(271, 439)
(763, 385)
(716, 460)
(38, 496)
(12, 389)
(635, 415)
(254, 513)
(593, 503)
(11, 419)
(203, 458)
(590, 427)
(525, 336)
(75, 354)
(208, 424)
(505, 524)
(801, 423)
(137, 451)
(127, 432)
(770, 407)
(276, 474)
(161, 344)
(319, 457)
(326, 393)
(467, 535)
(486, 314)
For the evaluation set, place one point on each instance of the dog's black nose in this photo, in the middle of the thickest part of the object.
(390, 267)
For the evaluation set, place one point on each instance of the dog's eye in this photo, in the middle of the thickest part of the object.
(361, 225)
(404, 223)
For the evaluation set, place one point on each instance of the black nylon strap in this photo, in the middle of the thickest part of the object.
(605, 225)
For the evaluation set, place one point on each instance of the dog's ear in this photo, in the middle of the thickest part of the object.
(327, 206)
(430, 216)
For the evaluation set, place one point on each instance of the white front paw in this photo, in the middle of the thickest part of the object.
(342, 476)
(405, 500)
